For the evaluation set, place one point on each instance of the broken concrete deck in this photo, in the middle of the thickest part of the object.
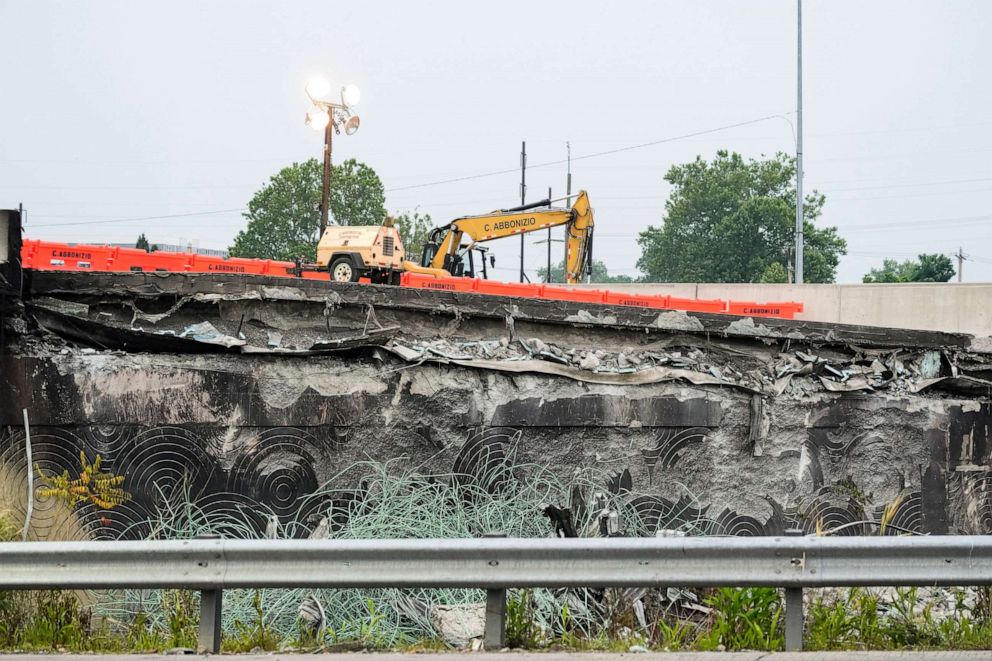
(252, 393)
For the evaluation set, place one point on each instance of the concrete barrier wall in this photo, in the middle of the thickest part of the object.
(949, 307)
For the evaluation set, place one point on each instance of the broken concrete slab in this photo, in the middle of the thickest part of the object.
(128, 286)
(669, 415)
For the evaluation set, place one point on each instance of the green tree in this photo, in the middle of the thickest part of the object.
(774, 273)
(142, 244)
(284, 216)
(599, 273)
(414, 228)
(731, 220)
(926, 268)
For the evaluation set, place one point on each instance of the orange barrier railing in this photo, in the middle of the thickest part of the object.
(784, 310)
(50, 256)
(551, 292)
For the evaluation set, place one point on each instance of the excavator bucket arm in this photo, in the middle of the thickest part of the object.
(578, 240)
(445, 241)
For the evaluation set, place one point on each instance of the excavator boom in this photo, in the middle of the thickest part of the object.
(445, 242)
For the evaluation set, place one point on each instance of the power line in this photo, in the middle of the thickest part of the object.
(941, 222)
(177, 187)
(902, 196)
(607, 152)
(129, 220)
(912, 185)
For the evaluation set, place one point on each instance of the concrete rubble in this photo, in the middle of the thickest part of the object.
(748, 426)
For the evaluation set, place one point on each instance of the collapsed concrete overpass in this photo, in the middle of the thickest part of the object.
(251, 393)
(940, 306)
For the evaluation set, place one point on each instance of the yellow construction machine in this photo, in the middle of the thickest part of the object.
(349, 253)
(445, 255)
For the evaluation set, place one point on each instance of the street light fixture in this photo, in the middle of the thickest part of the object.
(351, 95)
(317, 119)
(330, 117)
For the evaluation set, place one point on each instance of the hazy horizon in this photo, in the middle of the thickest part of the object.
(143, 110)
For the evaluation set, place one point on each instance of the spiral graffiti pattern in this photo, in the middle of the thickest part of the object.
(821, 515)
(670, 446)
(248, 482)
(483, 459)
(108, 441)
(908, 515)
(54, 451)
(164, 462)
(739, 525)
(657, 513)
(278, 467)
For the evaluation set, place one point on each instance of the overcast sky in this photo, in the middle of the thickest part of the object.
(115, 110)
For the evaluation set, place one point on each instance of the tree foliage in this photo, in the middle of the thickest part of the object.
(775, 273)
(284, 216)
(142, 244)
(926, 268)
(93, 485)
(599, 273)
(414, 228)
(733, 220)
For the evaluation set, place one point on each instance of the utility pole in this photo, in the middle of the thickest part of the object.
(330, 116)
(325, 195)
(548, 274)
(799, 143)
(568, 194)
(960, 257)
(523, 199)
(568, 180)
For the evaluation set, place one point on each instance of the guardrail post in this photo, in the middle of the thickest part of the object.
(211, 608)
(495, 633)
(794, 617)
(208, 637)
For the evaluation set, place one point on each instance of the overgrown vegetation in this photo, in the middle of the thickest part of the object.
(93, 485)
(397, 502)
(732, 219)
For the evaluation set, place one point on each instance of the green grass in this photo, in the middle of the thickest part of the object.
(739, 619)
(855, 619)
(744, 619)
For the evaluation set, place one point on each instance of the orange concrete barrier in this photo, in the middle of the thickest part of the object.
(420, 281)
(785, 310)
(716, 306)
(636, 300)
(574, 295)
(212, 264)
(64, 257)
(518, 289)
(49, 256)
(132, 259)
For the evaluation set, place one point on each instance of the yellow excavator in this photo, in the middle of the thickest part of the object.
(445, 255)
(350, 253)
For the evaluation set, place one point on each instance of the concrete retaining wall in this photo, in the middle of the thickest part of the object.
(948, 307)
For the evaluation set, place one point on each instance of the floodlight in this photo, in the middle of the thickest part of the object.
(351, 95)
(318, 119)
(351, 126)
(318, 88)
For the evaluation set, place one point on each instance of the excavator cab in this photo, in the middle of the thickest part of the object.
(475, 259)
(446, 255)
(468, 262)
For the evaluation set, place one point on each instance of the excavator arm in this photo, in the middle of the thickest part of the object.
(578, 240)
(441, 252)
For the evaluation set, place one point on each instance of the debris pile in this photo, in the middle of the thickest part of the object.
(769, 372)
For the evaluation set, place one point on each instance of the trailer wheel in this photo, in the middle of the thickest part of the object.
(342, 270)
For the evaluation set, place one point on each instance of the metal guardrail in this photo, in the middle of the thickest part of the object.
(495, 564)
